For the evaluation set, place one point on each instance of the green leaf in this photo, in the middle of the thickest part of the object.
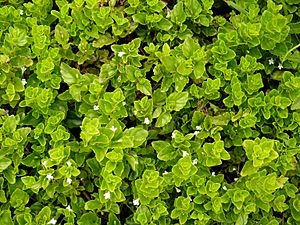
(70, 75)
(178, 15)
(185, 68)
(61, 35)
(163, 119)
(93, 205)
(5, 217)
(189, 47)
(164, 24)
(138, 135)
(89, 218)
(176, 101)
(19, 198)
(294, 28)
(165, 151)
(169, 62)
(296, 104)
(144, 86)
(4, 163)
(193, 8)
(248, 169)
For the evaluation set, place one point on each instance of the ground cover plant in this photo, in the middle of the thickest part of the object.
(149, 112)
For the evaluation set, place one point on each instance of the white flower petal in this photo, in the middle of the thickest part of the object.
(69, 163)
(195, 161)
(280, 66)
(44, 163)
(69, 180)
(185, 153)
(24, 82)
(147, 121)
(52, 221)
(166, 172)
(69, 208)
(113, 128)
(177, 190)
(49, 176)
(136, 202)
(196, 132)
(107, 195)
(198, 127)
(224, 188)
(120, 54)
(271, 61)
(213, 174)
(96, 107)
(173, 135)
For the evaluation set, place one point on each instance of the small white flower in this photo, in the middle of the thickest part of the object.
(173, 135)
(69, 180)
(120, 54)
(146, 121)
(21, 12)
(166, 172)
(69, 208)
(271, 61)
(189, 197)
(280, 66)
(224, 188)
(196, 132)
(52, 221)
(235, 179)
(120, 140)
(198, 127)
(195, 161)
(81, 179)
(24, 82)
(213, 174)
(113, 128)
(44, 163)
(107, 195)
(185, 153)
(136, 202)
(135, 112)
(177, 190)
(123, 103)
(23, 69)
(233, 169)
(96, 107)
(69, 163)
(49, 176)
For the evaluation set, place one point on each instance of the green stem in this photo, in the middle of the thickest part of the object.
(289, 51)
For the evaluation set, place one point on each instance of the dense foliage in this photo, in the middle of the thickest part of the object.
(149, 112)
